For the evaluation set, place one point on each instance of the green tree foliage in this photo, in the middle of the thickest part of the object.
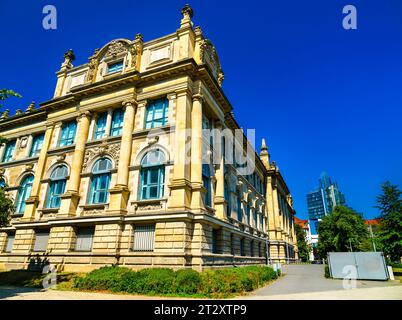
(6, 207)
(390, 230)
(304, 249)
(340, 230)
(6, 93)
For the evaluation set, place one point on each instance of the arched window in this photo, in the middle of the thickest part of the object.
(152, 176)
(206, 181)
(100, 181)
(57, 186)
(24, 192)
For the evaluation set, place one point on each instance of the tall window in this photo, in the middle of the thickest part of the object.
(152, 175)
(99, 191)
(248, 213)
(157, 114)
(57, 186)
(117, 122)
(37, 145)
(24, 191)
(9, 151)
(68, 133)
(227, 198)
(100, 130)
(206, 181)
(2, 183)
(239, 209)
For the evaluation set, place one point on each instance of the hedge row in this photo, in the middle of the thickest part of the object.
(163, 281)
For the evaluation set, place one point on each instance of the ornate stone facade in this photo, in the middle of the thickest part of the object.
(75, 230)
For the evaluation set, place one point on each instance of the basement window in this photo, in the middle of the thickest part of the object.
(144, 238)
(10, 242)
(84, 239)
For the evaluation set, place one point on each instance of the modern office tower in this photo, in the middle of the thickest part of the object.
(323, 200)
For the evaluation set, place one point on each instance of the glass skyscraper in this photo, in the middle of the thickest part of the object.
(322, 201)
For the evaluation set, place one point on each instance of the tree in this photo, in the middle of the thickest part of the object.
(342, 230)
(6, 207)
(390, 230)
(6, 203)
(304, 249)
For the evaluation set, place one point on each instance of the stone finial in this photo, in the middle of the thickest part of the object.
(5, 114)
(69, 57)
(198, 31)
(264, 147)
(139, 37)
(18, 112)
(187, 13)
(221, 77)
(31, 107)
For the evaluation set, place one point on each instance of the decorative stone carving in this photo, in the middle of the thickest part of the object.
(69, 57)
(18, 112)
(5, 114)
(61, 157)
(92, 66)
(29, 166)
(31, 107)
(209, 56)
(23, 142)
(113, 150)
(148, 206)
(153, 140)
(115, 48)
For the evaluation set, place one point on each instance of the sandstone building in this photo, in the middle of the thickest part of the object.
(99, 176)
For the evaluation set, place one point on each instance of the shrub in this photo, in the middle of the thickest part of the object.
(105, 278)
(213, 283)
(187, 281)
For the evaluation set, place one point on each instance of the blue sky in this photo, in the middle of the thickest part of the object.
(325, 98)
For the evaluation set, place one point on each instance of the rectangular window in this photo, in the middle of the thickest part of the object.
(41, 240)
(9, 151)
(37, 145)
(152, 182)
(117, 123)
(242, 253)
(100, 130)
(144, 237)
(68, 134)
(84, 237)
(252, 248)
(156, 114)
(215, 240)
(115, 67)
(10, 242)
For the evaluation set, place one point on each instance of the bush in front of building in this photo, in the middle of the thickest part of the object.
(163, 281)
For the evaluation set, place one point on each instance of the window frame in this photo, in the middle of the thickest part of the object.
(46, 234)
(20, 204)
(71, 128)
(54, 184)
(35, 151)
(113, 63)
(100, 134)
(148, 245)
(152, 107)
(146, 174)
(96, 180)
(119, 129)
(9, 156)
(80, 233)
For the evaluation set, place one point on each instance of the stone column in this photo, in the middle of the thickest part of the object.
(69, 200)
(29, 145)
(92, 127)
(196, 154)
(119, 194)
(2, 150)
(219, 200)
(108, 122)
(33, 200)
(180, 185)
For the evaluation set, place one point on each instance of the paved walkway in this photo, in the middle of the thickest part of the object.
(299, 282)
(307, 282)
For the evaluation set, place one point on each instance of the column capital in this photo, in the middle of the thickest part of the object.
(198, 97)
(130, 101)
(172, 96)
(84, 114)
